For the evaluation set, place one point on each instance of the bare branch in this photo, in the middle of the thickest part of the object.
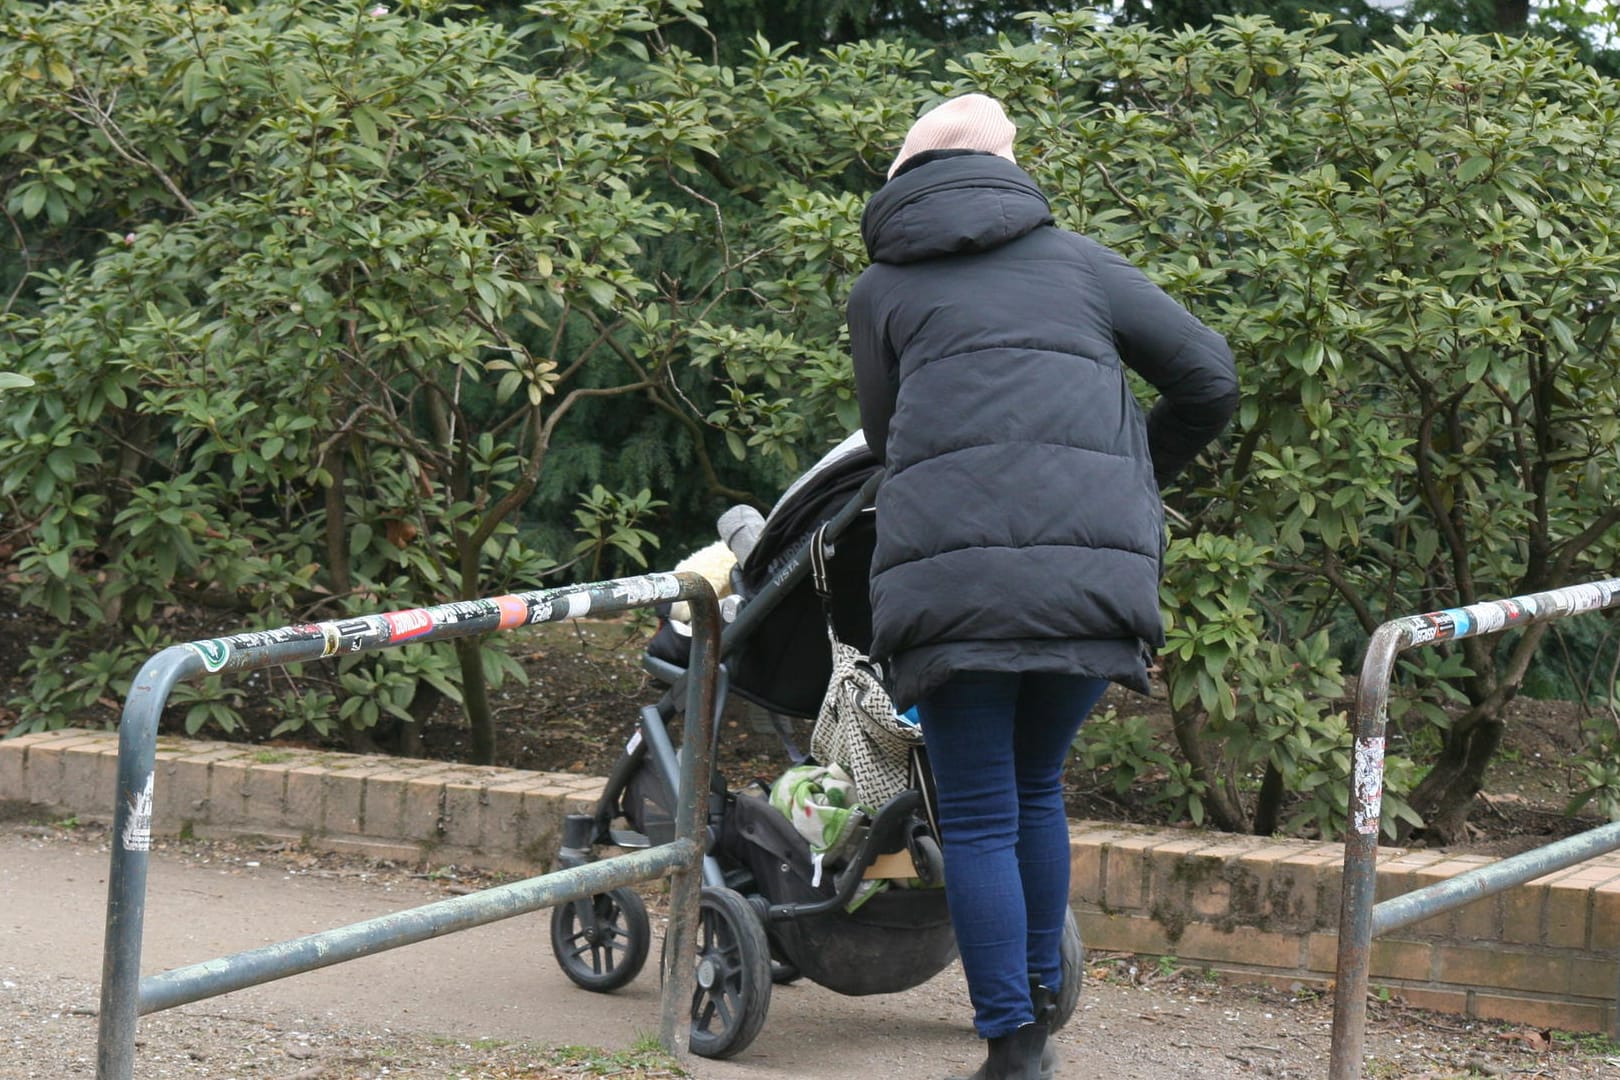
(101, 119)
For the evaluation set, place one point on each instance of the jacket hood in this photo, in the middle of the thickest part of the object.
(952, 206)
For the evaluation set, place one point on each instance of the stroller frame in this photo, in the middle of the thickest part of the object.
(602, 943)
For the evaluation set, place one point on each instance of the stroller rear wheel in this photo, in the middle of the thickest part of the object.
(602, 942)
(733, 985)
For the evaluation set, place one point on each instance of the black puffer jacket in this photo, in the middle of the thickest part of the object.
(1019, 522)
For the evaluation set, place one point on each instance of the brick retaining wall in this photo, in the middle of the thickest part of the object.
(1544, 953)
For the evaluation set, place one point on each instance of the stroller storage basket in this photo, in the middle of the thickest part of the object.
(895, 940)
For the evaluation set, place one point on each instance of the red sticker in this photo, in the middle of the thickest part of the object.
(404, 625)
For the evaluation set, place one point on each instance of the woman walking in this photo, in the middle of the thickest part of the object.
(1020, 532)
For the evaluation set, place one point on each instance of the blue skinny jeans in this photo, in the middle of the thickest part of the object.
(996, 743)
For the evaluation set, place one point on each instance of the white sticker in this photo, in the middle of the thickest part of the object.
(1487, 618)
(635, 741)
(636, 592)
(579, 604)
(138, 826)
(1585, 598)
(1369, 780)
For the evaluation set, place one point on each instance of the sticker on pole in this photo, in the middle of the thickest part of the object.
(215, 653)
(138, 826)
(1369, 780)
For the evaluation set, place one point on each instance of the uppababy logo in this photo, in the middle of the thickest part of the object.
(404, 625)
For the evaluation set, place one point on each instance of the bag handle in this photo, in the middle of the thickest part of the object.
(819, 550)
(818, 567)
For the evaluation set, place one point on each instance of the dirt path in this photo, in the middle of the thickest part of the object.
(491, 1002)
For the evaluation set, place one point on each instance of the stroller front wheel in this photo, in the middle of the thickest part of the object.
(732, 991)
(602, 941)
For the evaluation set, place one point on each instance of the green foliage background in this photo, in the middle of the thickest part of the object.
(327, 308)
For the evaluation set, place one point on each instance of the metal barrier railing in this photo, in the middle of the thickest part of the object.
(125, 996)
(1360, 918)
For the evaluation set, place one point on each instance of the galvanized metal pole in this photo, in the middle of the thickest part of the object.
(1360, 879)
(132, 841)
(1453, 893)
(121, 1002)
(254, 967)
(691, 825)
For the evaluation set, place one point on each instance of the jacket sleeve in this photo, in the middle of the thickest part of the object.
(1187, 362)
(877, 368)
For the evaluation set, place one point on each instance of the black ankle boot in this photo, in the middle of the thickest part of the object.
(1014, 1057)
(1045, 1003)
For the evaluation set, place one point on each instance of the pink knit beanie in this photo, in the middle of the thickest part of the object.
(969, 122)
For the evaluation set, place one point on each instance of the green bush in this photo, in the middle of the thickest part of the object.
(326, 303)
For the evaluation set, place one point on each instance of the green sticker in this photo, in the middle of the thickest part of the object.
(214, 653)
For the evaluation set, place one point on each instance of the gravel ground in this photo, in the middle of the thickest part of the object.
(1139, 1019)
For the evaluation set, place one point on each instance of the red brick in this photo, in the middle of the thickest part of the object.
(1241, 945)
(344, 812)
(90, 780)
(1435, 999)
(1396, 958)
(1448, 867)
(464, 813)
(1303, 893)
(383, 810)
(1570, 906)
(1085, 871)
(1125, 883)
(263, 790)
(1322, 952)
(504, 817)
(13, 779)
(43, 766)
(1605, 926)
(1123, 933)
(1182, 882)
(304, 799)
(1523, 908)
(1541, 1013)
(1479, 920)
(1502, 968)
(1593, 977)
(180, 792)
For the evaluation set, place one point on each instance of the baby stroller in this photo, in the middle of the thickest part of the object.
(769, 912)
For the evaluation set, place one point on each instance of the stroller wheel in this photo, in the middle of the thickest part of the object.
(733, 988)
(1074, 971)
(929, 860)
(602, 942)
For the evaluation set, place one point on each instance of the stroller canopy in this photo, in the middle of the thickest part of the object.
(784, 663)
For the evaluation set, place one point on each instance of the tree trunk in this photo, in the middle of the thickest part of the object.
(1188, 726)
(426, 699)
(475, 701)
(1446, 796)
(1268, 806)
